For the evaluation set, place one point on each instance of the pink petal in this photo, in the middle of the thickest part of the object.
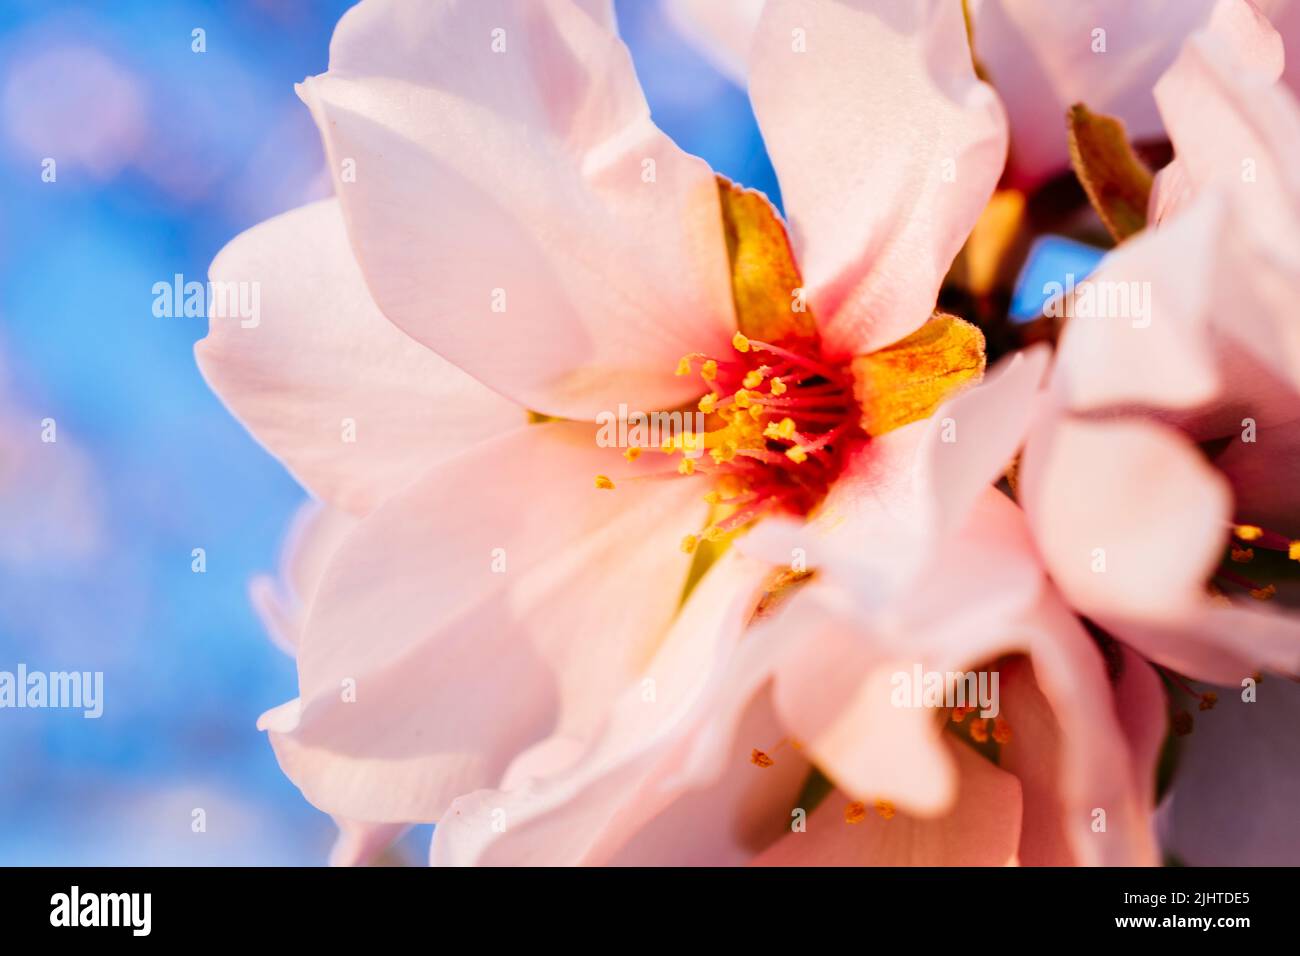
(1229, 120)
(358, 844)
(1146, 339)
(1215, 642)
(1070, 750)
(322, 365)
(458, 667)
(533, 173)
(887, 148)
(690, 703)
(281, 602)
(722, 30)
(1041, 59)
(1129, 517)
(963, 611)
(983, 828)
(1264, 475)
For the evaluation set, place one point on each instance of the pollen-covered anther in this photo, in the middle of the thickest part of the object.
(690, 543)
(1208, 700)
(604, 482)
(760, 759)
(1248, 532)
(885, 809)
(739, 342)
(979, 730)
(1242, 555)
(1001, 730)
(1266, 593)
(632, 454)
(855, 812)
(1293, 551)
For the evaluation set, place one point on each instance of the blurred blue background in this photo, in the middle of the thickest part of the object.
(163, 155)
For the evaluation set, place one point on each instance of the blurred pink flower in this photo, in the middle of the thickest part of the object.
(1171, 435)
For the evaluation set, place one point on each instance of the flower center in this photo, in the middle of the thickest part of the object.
(777, 421)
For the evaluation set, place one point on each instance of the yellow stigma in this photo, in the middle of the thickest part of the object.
(603, 481)
(690, 543)
(740, 343)
(778, 387)
(1248, 532)
(632, 454)
(709, 403)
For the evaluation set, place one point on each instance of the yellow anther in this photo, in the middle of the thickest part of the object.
(690, 543)
(778, 387)
(603, 482)
(796, 454)
(742, 399)
(708, 404)
(755, 378)
(722, 454)
(712, 498)
(1293, 552)
(632, 454)
(713, 533)
(1265, 593)
(686, 466)
(756, 412)
(709, 370)
(1248, 532)
(1242, 555)
(855, 812)
(885, 809)
(740, 343)
(684, 365)
(782, 429)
